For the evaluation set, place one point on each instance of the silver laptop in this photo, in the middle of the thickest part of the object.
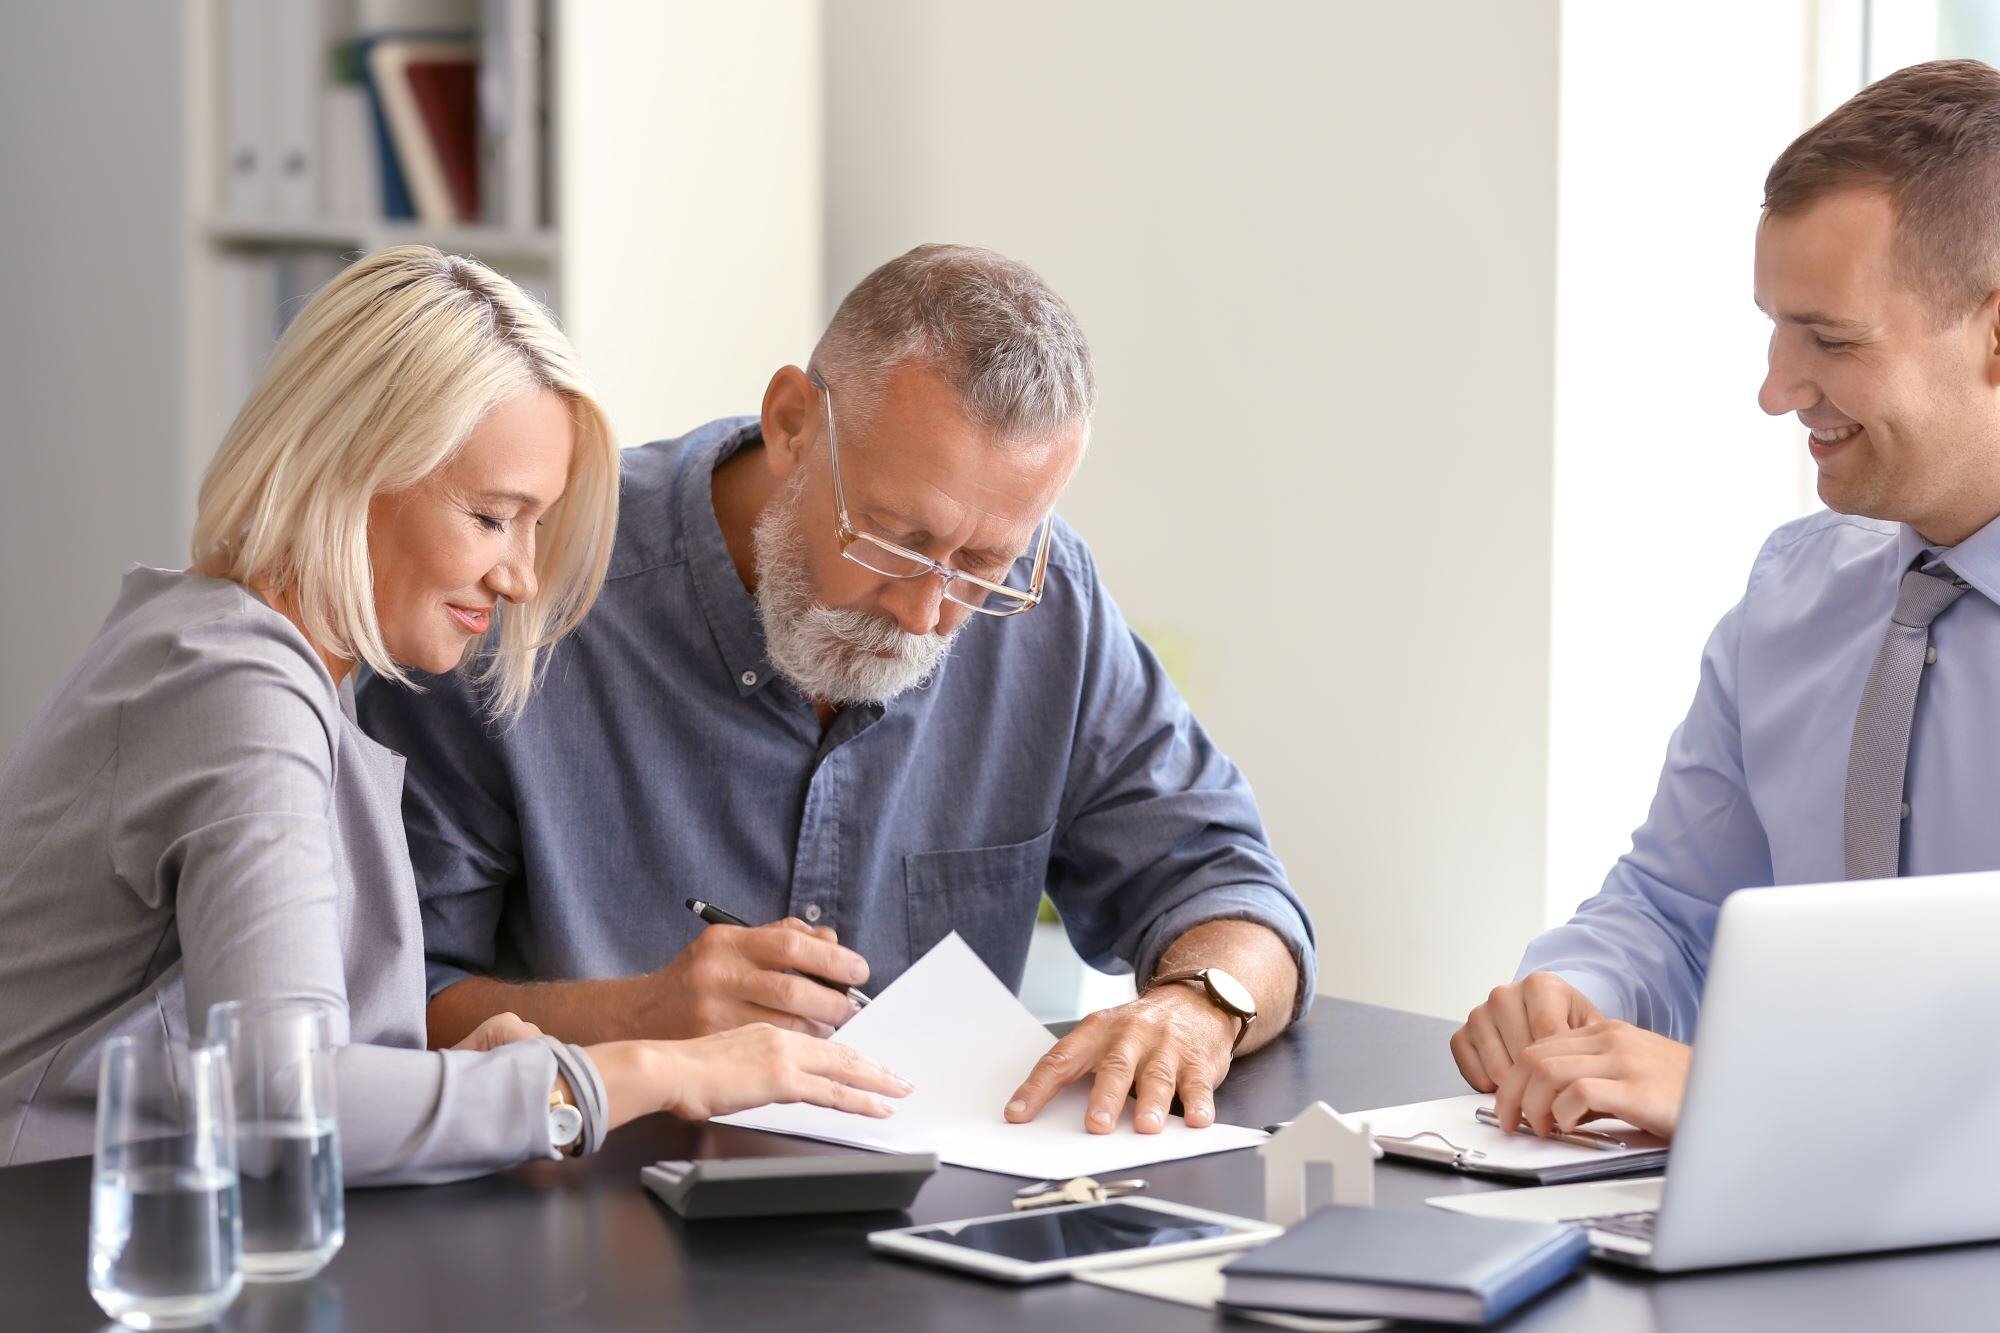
(1845, 1089)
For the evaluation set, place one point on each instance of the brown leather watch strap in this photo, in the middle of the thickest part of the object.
(1199, 976)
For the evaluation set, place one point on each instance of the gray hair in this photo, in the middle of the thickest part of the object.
(1007, 345)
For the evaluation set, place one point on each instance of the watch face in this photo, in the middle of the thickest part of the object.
(1233, 994)
(565, 1124)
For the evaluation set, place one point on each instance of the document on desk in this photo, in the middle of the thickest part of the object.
(966, 1042)
(1445, 1131)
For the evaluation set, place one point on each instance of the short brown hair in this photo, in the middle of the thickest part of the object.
(1928, 137)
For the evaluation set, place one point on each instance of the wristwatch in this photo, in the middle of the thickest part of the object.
(1224, 992)
(565, 1123)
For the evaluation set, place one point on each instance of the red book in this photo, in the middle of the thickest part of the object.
(447, 97)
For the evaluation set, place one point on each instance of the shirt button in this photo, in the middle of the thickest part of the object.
(812, 911)
(1906, 809)
(1930, 655)
(748, 678)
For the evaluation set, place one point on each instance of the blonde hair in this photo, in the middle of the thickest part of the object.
(375, 385)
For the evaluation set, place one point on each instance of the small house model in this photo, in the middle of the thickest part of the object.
(1317, 1159)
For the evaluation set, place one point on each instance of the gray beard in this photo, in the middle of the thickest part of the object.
(829, 654)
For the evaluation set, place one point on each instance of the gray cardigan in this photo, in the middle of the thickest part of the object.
(194, 816)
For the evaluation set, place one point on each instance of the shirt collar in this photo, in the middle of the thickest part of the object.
(728, 605)
(1976, 559)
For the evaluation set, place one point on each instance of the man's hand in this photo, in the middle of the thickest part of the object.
(1171, 1039)
(497, 1031)
(1513, 1018)
(734, 975)
(1605, 1068)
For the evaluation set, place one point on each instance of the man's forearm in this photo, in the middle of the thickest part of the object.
(1251, 952)
(584, 1012)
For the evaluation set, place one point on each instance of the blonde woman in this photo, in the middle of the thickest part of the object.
(421, 479)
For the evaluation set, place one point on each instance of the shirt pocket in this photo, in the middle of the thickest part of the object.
(987, 894)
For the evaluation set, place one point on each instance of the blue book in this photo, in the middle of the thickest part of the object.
(1397, 1263)
(397, 205)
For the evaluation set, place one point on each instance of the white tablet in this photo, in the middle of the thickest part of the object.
(1042, 1243)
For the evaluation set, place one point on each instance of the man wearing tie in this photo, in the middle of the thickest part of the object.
(1847, 721)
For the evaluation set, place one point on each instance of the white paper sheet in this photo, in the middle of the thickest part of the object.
(1451, 1118)
(951, 1028)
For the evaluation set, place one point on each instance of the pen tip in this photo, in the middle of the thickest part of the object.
(694, 904)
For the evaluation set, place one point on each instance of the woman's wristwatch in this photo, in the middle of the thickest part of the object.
(1224, 992)
(565, 1123)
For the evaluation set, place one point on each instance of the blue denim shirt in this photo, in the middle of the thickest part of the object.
(663, 757)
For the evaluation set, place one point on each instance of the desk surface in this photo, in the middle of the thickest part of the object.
(581, 1244)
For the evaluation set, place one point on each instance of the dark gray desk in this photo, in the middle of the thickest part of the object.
(582, 1245)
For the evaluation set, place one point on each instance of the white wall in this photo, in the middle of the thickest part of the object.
(691, 256)
(91, 265)
(1313, 245)
(1667, 475)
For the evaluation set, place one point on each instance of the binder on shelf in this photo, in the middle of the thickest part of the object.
(350, 185)
(510, 116)
(246, 299)
(252, 139)
(295, 74)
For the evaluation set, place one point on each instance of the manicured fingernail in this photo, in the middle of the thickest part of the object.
(1100, 1117)
(905, 1084)
(1016, 1106)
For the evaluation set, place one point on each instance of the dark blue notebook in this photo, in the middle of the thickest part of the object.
(1400, 1263)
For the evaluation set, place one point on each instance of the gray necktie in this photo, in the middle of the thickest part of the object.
(1881, 748)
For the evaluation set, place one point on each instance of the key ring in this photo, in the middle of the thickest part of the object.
(1083, 1189)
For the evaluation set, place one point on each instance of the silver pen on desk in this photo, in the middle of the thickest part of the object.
(1582, 1138)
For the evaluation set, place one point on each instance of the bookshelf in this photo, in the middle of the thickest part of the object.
(651, 169)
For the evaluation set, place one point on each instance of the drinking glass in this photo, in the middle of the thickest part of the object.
(287, 1143)
(165, 1238)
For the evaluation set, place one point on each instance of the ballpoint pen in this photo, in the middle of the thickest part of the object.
(1582, 1138)
(716, 916)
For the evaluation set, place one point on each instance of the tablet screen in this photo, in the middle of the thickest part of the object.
(1036, 1237)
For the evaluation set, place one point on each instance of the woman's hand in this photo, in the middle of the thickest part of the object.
(738, 1069)
(1605, 1068)
(499, 1030)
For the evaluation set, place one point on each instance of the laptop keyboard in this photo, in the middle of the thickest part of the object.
(1638, 1226)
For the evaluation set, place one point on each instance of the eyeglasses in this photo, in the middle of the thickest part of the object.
(882, 556)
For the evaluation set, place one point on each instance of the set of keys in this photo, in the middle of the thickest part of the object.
(1048, 1193)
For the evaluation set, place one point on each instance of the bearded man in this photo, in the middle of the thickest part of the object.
(851, 677)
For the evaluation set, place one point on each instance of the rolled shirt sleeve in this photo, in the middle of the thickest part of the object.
(1160, 831)
(1639, 949)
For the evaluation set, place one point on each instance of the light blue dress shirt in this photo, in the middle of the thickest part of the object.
(1753, 789)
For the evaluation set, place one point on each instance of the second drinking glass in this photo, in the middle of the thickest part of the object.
(287, 1143)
